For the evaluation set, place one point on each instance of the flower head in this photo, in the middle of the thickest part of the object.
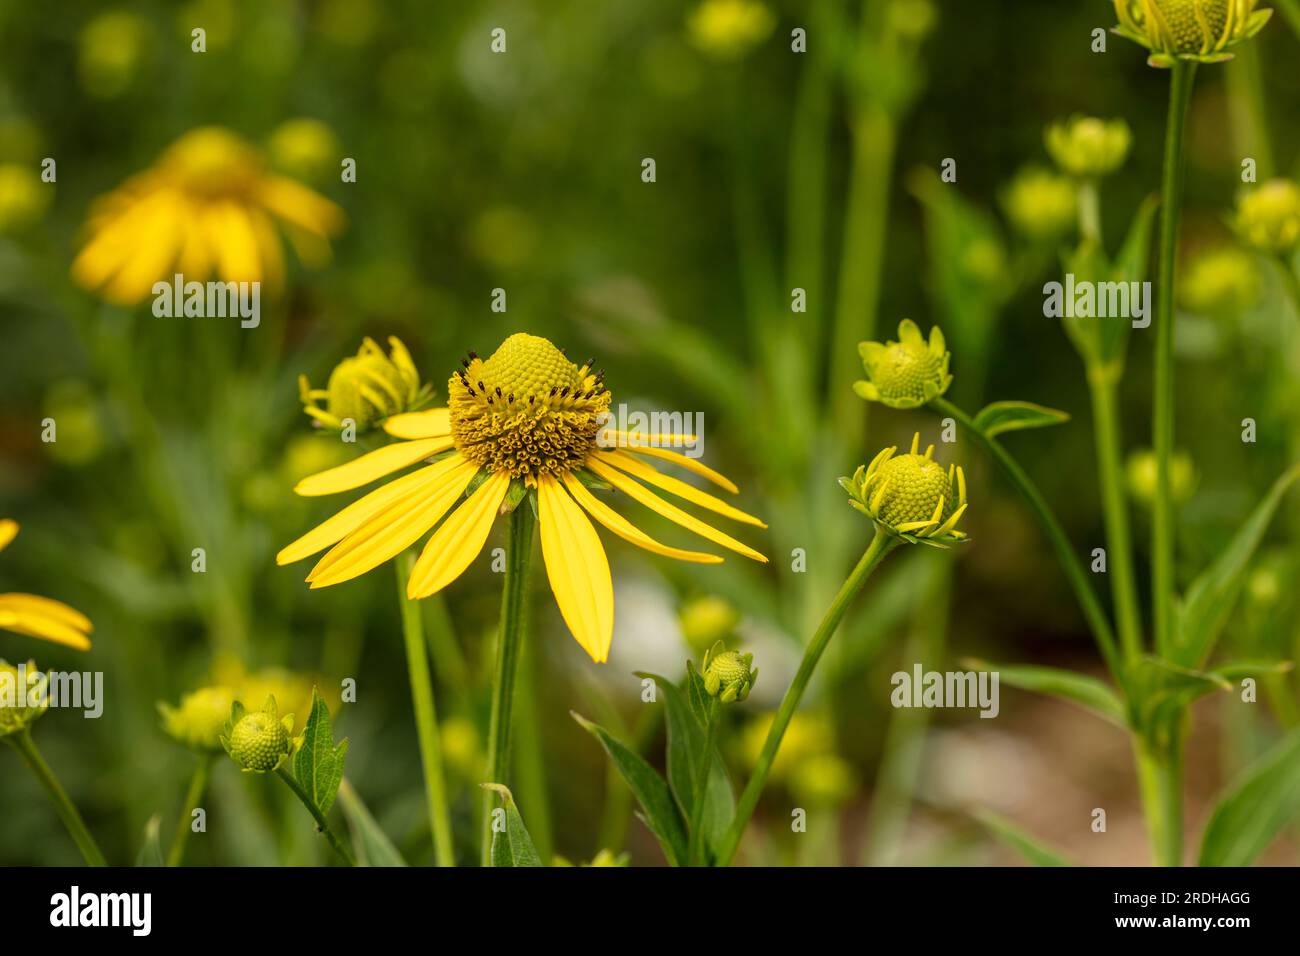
(40, 616)
(1041, 205)
(728, 29)
(206, 208)
(366, 388)
(1200, 30)
(907, 373)
(1087, 147)
(259, 741)
(911, 496)
(1140, 472)
(200, 719)
(23, 696)
(707, 619)
(524, 422)
(1222, 282)
(1268, 217)
(727, 674)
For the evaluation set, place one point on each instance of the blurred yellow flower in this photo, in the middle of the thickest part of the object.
(1140, 472)
(1268, 217)
(806, 736)
(23, 696)
(706, 620)
(109, 52)
(1087, 147)
(1223, 282)
(825, 779)
(39, 616)
(367, 388)
(23, 197)
(197, 722)
(728, 29)
(304, 147)
(206, 208)
(526, 420)
(1041, 205)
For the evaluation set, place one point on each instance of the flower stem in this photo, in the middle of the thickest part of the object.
(1090, 212)
(26, 747)
(1160, 782)
(514, 606)
(1103, 384)
(1069, 561)
(702, 784)
(322, 824)
(198, 786)
(880, 546)
(1162, 523)
(426, 718)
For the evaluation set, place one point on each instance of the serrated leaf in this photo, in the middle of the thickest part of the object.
(1095, 696)
(660, 811)
(151, 849)
(1212, 595)
(1024, 843)
(372, 843)
(1261, 803)
(318, 764)
(999, 417)
(512, 846)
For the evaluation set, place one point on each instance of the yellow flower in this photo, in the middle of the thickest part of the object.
(39, 616)
(911, 496)
(1040, 204)
(200, 719)
(207, 208)
(1087, 147)
(111, 47)
(304, 147)
(728, 29)
(1268, 217)
(526, 420)
(1223, 282)
(23, 197)
(806, 736)
(23, 696)
(1200, 30)
(907, 373)
(823, 780)
(706, 620)
(367, 388)
(1140, 472)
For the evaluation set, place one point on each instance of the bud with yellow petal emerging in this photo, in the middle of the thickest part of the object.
(200, 719)
(23, 696)
(911, 496)
(1199, 30)
(907, 373)
(1268, 217)
(366, 388)
(728, 29)
(1086, 147)
(1222, 282)
(1041, 205)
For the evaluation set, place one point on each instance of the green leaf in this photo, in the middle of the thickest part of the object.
(1211, 597)
(511, 846)
(151, 849)
(1263, 800)
(373, 846)
(1028, 846)
(318, 764)
(1090, 693)
(651, 792)
(1161, 690)
(1002, 417)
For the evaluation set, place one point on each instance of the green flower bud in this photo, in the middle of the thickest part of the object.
(728, 29)
(306, 148)
(727, 675)
(911, 496)
(1268, 217)
(1140, 475)
(366, 388)
(200, 718)
(706, 620)
(1224, 282)
(23, 696)
(907, 373)
(259, 741)
(111, 48)
(1087, 147)
(1041, 205)
(1200, 30)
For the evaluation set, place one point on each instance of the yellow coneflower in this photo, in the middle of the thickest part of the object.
(525, 419)
(41, 617)
(207, 208)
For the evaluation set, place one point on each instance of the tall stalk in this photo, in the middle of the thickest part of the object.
(198, 785)
(514, 607)
(22, 742)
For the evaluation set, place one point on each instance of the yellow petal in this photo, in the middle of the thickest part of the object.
(367, 468)
(114, 241)
(431, 424)
(302, 207)
(393, 529)
(577, 568)
(8, 531)
(690, 464)
(196, 259)
(153, 254)
(638, 492)
(613, 438)
(616, 523)
(47, 607)
(459, 540)
(268, 249)
(23, 619)
(674, 486)
(356, 514)
(231, 236)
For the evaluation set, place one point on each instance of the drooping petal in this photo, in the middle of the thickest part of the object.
(434, 423)
(690, 464)
(47, 607)
(21, 617)
(154, 252)
(616, 523)
(8, 531)
(269, 250)
(613, 438)
(369, 467)
(392, 530)
(231, 236)
(577, 569)
(459, 540)
(639, 492)
(681, 489)
(302, 207)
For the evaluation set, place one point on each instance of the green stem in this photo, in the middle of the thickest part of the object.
(1291, 10)
(1160, 782)
(26, 747)
(1103, 384)
(880, 546)
(702, 784)
(198, 786)
(1162, 522)
(514, 606)
(1069, 561)
(426, 718)
(1090, 213)
(322, 825)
